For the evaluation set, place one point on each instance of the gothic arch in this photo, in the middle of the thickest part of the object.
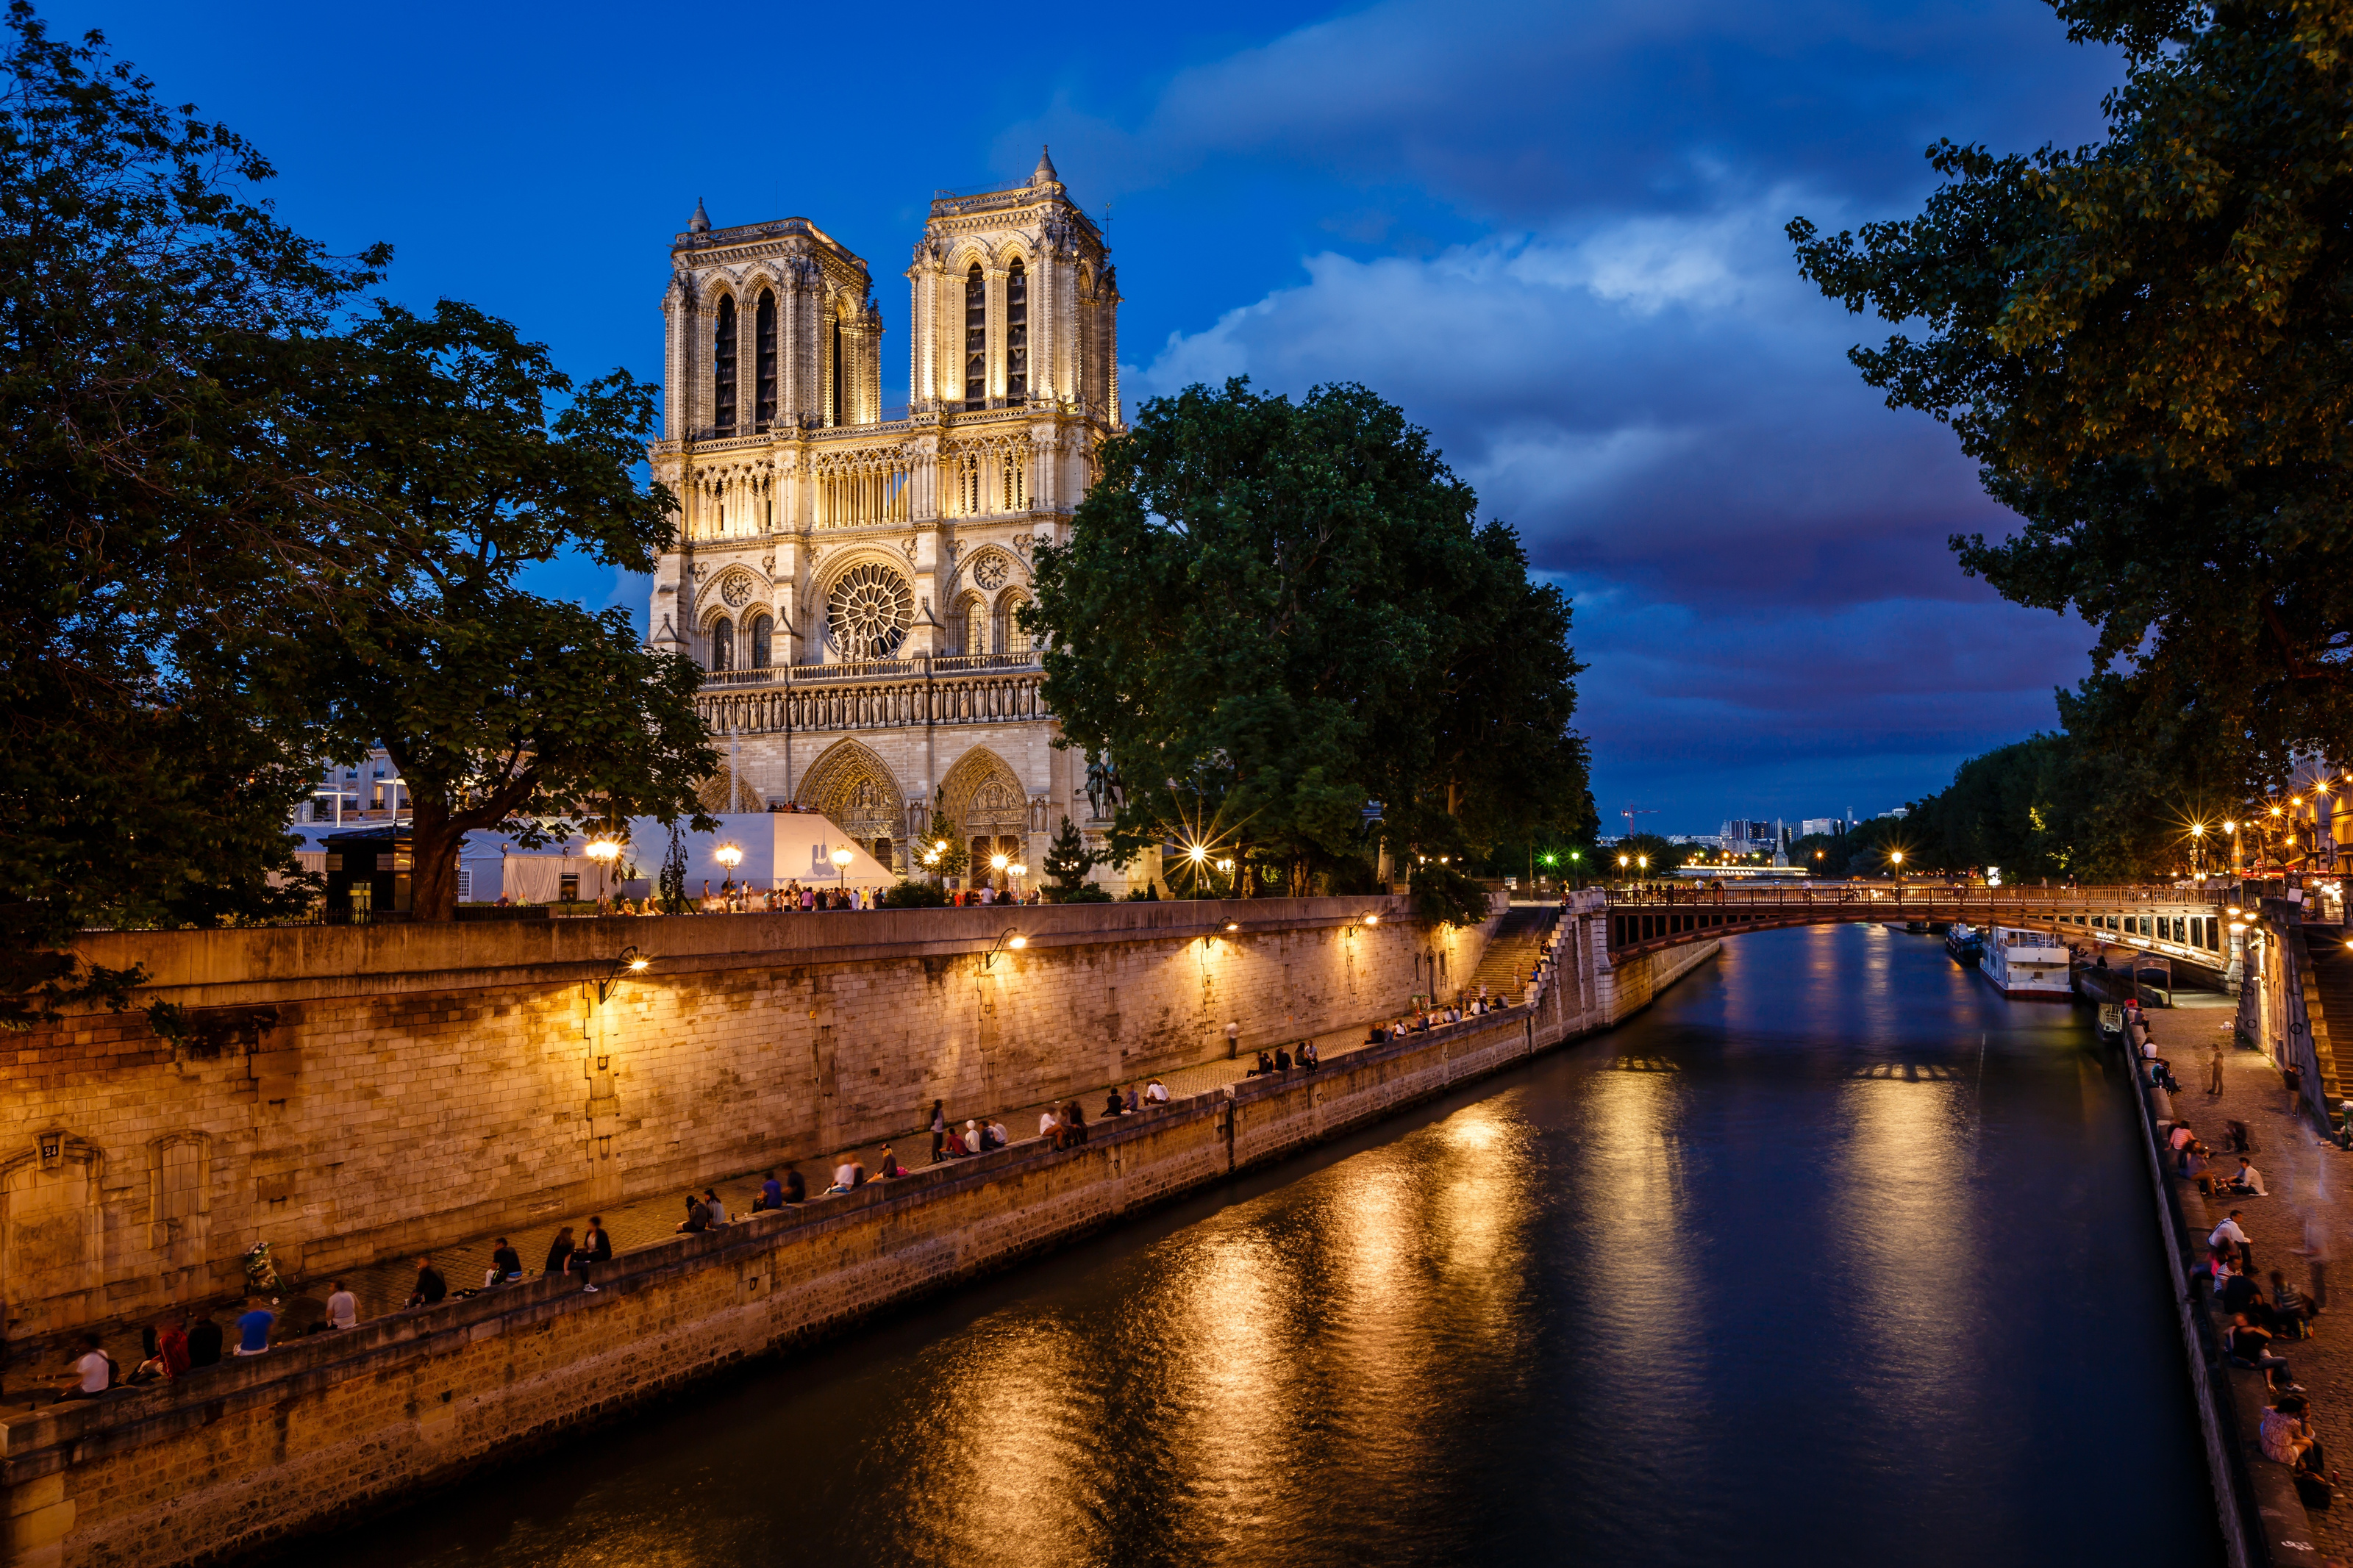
(714, 601)
(853, 786)
(717, 285)
(983, 797)
(49, 1224)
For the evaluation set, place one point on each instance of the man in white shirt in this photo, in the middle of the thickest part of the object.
(845, 1176)
(343, 1308)
(92, 1373)
(1046, 1122)
(996, 1131)
(2228, 1231)
(1156, 1092)
(2249, 1180)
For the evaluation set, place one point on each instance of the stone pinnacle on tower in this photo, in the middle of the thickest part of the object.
(700, 222)
(1044, 173)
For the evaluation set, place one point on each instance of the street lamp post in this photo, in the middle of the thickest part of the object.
(730, 855)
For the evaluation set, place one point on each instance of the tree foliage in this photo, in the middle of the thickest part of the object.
(152, 531)
(1269, 613)
(2142, 342)
(1067, 862)
(466, 456)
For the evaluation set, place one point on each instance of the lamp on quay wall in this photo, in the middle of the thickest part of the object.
(1008, 939)
(630, 962)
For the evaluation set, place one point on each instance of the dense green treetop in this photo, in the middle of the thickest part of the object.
(1271, 613)
(2145, 342)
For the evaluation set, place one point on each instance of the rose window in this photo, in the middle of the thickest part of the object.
(735, 590)
(990, 573)
(870, 612)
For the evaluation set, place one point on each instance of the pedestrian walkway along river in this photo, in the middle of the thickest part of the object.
(1832, 1256)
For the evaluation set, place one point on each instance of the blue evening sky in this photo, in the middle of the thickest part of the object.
(1552, 233)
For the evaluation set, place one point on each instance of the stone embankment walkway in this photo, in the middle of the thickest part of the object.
(385, 1286)
(2307, 1218)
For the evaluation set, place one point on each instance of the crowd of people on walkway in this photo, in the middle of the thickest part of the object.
(2260, 1313)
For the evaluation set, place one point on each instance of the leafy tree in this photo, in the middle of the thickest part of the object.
(674, 901)
(907, 895)
(150, 534)
(946, 854)
(2140, 342)
(1269, 613)
(469, 456)
(1067, 862)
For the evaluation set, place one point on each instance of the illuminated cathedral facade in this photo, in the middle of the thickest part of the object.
(851, 576)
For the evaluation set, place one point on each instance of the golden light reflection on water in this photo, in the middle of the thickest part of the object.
(1902, 1250)
(1638, 1250)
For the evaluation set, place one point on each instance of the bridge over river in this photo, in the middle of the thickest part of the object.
(2189, 925)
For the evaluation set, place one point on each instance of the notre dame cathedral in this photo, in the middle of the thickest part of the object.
(850, 575)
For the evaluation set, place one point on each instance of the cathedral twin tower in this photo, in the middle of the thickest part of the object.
(851, 577)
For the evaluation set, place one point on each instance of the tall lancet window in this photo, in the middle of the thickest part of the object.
(722, 643)
(722, 370)
(764, 407)
(975, 340)
(1016, 333)
(840, 371)
(764, 642)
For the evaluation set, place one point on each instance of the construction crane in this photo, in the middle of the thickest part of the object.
(1631, 812)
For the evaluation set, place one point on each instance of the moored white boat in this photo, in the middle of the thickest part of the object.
(2026, 962)
(1964, 943)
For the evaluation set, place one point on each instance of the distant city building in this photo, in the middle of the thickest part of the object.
(1745, 837)
(1823, 827)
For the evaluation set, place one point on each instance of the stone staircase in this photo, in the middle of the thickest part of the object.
(1512, 950)
(2327, 975)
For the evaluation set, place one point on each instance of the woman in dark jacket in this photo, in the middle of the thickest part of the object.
(559, 1251)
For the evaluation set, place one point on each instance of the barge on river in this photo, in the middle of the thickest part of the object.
(2026, 962)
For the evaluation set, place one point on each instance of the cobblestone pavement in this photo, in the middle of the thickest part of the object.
(383, 1286)
(2308, 1217)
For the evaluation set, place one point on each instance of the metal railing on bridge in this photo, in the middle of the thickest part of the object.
(1910, 896)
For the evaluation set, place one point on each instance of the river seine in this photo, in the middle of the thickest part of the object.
(1831, 1256)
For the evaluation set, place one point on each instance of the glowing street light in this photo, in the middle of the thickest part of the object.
(729, 855)
(841, 859)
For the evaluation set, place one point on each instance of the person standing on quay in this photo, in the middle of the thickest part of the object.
(939, 1129)
(2214, 1069)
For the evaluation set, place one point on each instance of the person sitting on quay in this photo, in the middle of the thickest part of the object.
(2247, 1181)
(430, 1287)
(343, 1308)
(772, 1195)
(2235, 1133)
(2250, 1347)
(253, 1329)
(1309, 1056)
(718, 1209)
(698, 1217)
(796, 1185)
(595, 1246)
(559, 1255)
(2238, 1292)
(1132, 1103)
(1049, 1125)
(1074, 1125)
(2179, 1141)
(1113, 1107)
(204, 1340)
(994, 1136)
(2288, 1438)
(2290, 1308)
(1378, 1033)
(1282, 1059)
(506, 1265)
(2228, 1231)
(888, 1166)
(92, 1374)
(1155, 1093)
(169, 1358)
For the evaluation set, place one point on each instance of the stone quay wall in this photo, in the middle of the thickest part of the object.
(231, 1457)
(349, 1094)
